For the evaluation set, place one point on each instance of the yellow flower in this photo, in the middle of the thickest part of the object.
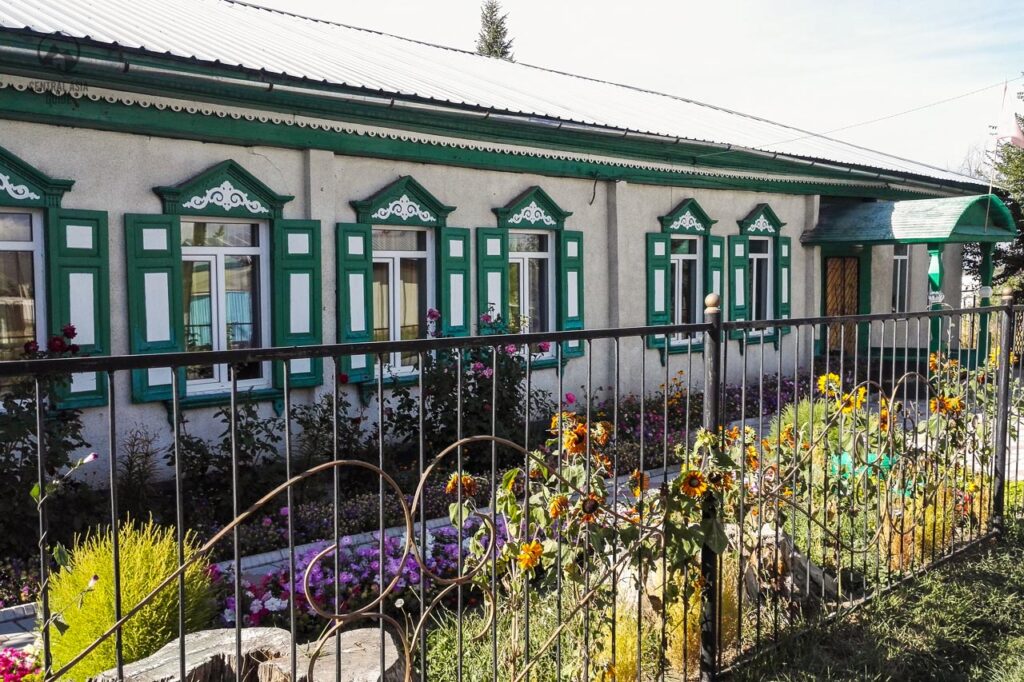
(721, 480)
(529, 555)
(639, 482)
(590, 507)
(468, 485)
(601, 432)
(693, 483)
(829, 385)
(947, 405)
(853, 401)
(558, 506)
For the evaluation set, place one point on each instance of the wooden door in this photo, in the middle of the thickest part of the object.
(842, 297)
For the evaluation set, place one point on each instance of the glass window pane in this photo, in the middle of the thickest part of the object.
(687, 290)
(242, 316)
(684, 246)
(413, 273)
(399, 240)
(219, 234)
(381, 302)
(758, 246)
(17, 303)
(527, 243)
(538, 312)
(15, 227)
(901, 249)
(198, 312)
(759, 281)
(515, 303)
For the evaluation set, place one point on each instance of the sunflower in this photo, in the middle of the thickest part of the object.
(853, 401)
(529, 555)
(566, 419)
(574, 441)
(732, 435)
(601, 432)
(693, 483)
(721, 480)
(603, 462)
(829, 385)
(933, 361)
(948, 405)
(590, 507)
(558, 506)
(639, 481)
(752, 458)
(468, 485)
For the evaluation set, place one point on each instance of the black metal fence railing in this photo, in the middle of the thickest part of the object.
(507, 513)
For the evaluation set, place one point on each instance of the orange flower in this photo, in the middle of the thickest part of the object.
(603, 462)
(468, 485)
(948, 405)
(639, 481)
(558, 506)
(529, 555)
(721, 480)
(590, 507)
(693, 483)
(732, 435)
(601, 432)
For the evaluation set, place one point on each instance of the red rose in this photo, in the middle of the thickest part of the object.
(31, 348)
(69, 331)
(56, 345)
(74, 348)
(342, 378)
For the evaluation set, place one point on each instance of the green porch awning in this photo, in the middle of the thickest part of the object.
(957, 220)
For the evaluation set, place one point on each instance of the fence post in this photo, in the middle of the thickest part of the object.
(708, 557)
(1006, 330)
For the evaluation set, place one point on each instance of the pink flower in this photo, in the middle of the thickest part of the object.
(92, 582)
(267, 522)
(570, 398)
(511, 349)
(90, 458)
(487, 373)
(544, 346)
(477, 367)
(485, 318)
(69, 331)
(433, 314)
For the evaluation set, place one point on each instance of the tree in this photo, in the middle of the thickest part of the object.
(493, 40)
(1009, 174)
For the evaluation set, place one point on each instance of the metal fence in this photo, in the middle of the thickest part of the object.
(651, 510)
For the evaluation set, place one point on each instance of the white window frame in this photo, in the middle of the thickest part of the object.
(392, 258)
(521, 258)
(221, 380)
(676, 261)
(769, 260)
(901, 271)
(37, 246)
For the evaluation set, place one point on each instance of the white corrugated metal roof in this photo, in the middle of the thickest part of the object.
(238, 34)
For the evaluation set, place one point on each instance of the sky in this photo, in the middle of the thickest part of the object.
(815, 64)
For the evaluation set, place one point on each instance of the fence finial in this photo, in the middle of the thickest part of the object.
(711, 302)
(1006, 295)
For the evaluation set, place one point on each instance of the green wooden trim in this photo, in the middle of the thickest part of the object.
(62, 261)
(453, 246)
(304, 235)
(533, 208)
(571, 289)
(23, 185)
(489, 265)
(355, 261)
(403, 202)
(226, 189)
(739, 284)
(142, 261)
(659, 268)
(784, 280)
(714, 266)
(761, 222)
(687, 217)
(119, 117)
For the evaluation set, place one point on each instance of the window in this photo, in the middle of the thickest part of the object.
(224, 277)
(531, 291)
(761, 294)
(21, 282)
(685, 284)
(402, 273)
(900, 277)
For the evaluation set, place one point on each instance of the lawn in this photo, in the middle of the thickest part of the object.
(961, 621)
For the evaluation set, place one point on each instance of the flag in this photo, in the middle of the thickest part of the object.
(1009, 129)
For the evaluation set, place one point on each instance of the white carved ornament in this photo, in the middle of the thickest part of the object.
(17, 192)
(404, 208)
(226, 196)
(761, 225)
(533, 214)
(687, 221)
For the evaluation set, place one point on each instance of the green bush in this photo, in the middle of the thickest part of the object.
(148, 555)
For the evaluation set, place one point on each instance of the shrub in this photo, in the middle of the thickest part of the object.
(16, 666)
(82, 596)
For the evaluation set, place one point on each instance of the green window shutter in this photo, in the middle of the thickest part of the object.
(453, 299)
(155, 318)
(492, 272)
(659, 280)
(78, 288)
(784, 279)
(355, 301)
(297, 296)
(739, 281)
(714, 259)
(570, 289)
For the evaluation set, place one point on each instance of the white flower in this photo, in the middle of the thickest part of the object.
(275, 604)
(249, 594)
(228, 615)
(256, 606)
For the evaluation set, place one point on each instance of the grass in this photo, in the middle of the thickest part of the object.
(961, 621)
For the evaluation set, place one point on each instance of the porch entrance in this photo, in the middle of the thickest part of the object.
(842, 298)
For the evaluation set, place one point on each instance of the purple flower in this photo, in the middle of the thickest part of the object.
(433, 314)
(283, 511)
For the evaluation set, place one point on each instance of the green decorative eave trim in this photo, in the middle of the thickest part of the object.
(226, 189)
(687, 217)
(23, 185)
(533, 208)
(762, 221)
(403, 202)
